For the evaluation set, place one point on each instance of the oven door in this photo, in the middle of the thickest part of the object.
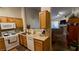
(11, 42)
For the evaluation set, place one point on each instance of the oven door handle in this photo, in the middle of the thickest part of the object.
(11, 42)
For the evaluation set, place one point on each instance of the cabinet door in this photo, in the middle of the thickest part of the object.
(2, 44)
(11, 20)
(48, 21)
(38, 45)
(42, 18)
(73, 33)
(46, 44)
(19, 22)
(3, 19)
(24, 41)
(20, 39)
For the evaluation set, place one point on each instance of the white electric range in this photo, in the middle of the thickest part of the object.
(10, 37)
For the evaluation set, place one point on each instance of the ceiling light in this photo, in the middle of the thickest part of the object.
(61, 13)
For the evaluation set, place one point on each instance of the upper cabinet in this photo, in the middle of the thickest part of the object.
(3, 19)
(44, 17)
(11, 20)
(19, 22)
(73, 20)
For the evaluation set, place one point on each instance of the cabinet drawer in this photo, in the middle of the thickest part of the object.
(38, 41)
(38, 44)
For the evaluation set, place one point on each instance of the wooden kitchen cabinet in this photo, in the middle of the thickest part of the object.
(44, 18)
(38, 45)
(19, 22)
(2, 44)
(73, 30)
(11, 20)
(23, 40)
(41, 45)
(73, 20)
(3, 19)
(20, 40)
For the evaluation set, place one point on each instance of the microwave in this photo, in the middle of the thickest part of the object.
(7, 25)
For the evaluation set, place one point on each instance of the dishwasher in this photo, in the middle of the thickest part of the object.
(30, 42)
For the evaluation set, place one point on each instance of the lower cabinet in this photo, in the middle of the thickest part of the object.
(2, 44)
(38, 45)
(41, 45)
(23, 40)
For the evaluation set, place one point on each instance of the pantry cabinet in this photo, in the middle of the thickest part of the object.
(23, 40)
(2, 44)
(44, 18)
(41, 45)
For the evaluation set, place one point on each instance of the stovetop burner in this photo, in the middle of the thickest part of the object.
(8, 33)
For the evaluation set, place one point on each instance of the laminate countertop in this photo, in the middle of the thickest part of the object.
(36, 36)
(39, 37)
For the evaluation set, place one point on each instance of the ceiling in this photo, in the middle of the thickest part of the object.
(61, 11)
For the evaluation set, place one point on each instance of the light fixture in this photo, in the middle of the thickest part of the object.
(61, 13)
(58, 15)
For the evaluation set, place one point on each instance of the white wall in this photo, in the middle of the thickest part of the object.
(32, 17)
(10, 12)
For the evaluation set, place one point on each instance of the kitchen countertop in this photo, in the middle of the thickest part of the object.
(42, 38)
(36, 36)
